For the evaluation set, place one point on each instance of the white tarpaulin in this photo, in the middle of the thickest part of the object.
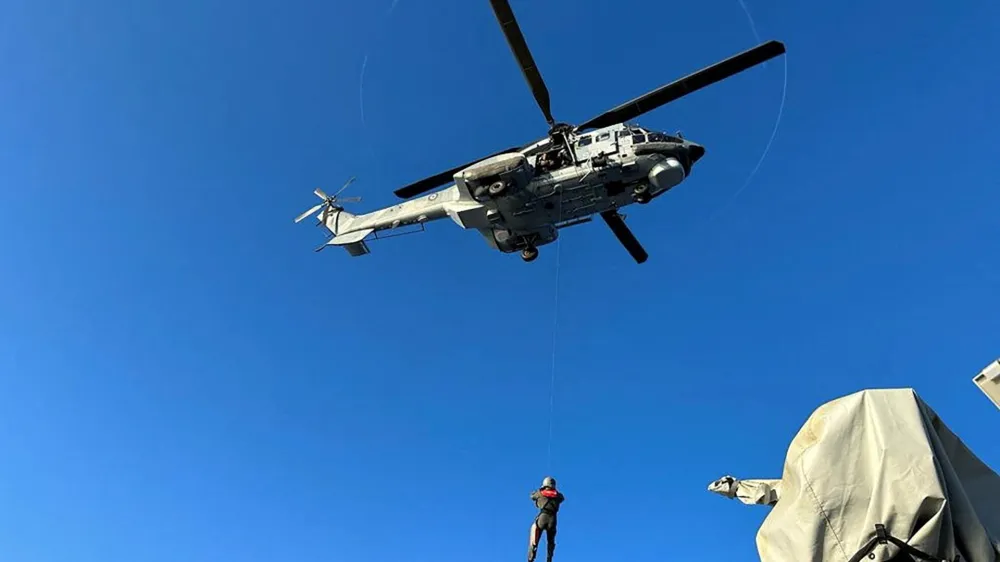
(876, 458)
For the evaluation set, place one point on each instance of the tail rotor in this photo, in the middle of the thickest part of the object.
(329, 202)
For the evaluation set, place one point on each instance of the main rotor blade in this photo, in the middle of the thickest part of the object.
(341, 190)
(427, 184)
(624, 235)
(309, 212)
(512, 31)
(690, 83)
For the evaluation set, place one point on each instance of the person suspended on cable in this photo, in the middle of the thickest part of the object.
(547, 499)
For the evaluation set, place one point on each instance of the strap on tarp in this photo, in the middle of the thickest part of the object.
(883, 537)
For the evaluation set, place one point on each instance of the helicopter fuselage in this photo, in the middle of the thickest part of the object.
(520, 200)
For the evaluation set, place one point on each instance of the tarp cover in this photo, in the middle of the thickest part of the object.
(876, 457)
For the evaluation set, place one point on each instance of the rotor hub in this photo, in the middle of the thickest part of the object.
(560, 128)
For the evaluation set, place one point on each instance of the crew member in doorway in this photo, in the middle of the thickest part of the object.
(547, 499)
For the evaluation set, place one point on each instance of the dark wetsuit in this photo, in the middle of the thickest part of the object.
(547, 500)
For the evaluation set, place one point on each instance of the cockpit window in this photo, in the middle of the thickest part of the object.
(638, 137)
(660, 137)
(584, 141)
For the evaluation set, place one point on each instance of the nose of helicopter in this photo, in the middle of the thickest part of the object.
(695, 151)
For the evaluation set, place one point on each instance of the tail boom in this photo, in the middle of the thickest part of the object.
(351, 230)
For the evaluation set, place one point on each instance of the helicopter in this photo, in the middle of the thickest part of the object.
(521, 197)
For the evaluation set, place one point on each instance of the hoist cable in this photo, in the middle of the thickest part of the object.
(555, 331)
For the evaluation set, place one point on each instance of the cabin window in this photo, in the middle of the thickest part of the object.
(603, 136)
(584, 141)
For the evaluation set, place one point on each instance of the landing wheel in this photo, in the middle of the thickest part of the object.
(497, 188)
(529, 254)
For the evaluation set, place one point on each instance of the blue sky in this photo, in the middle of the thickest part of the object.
(184, 379)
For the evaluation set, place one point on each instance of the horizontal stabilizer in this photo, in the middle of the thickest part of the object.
(353, 242)
(350, 237)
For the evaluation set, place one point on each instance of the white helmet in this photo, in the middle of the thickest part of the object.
(548, 482)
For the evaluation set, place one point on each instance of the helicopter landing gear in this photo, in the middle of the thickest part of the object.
(529, 254)
(641, 194)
